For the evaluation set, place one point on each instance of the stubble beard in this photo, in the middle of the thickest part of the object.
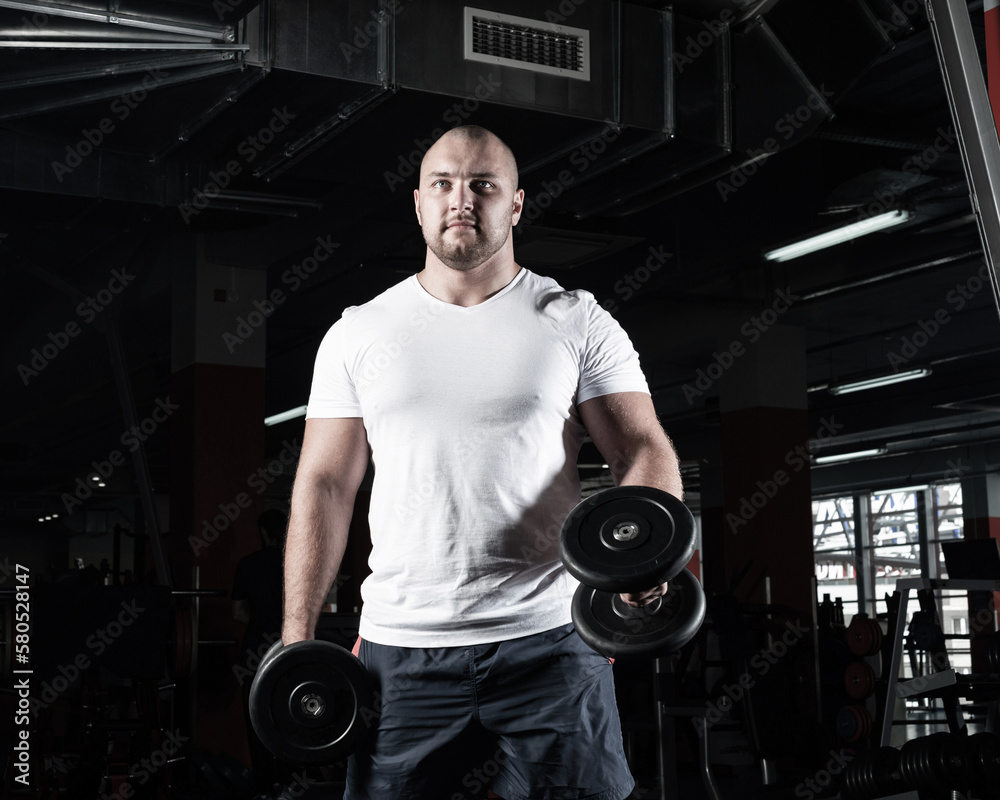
(465, 256)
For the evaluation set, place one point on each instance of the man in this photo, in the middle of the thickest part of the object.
(471, 385)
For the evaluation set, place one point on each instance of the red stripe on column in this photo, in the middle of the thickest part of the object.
(993, 56)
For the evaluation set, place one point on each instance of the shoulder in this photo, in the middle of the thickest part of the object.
(552, 299)
(387, 305)
(388, 301)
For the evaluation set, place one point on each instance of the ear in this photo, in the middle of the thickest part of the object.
(416, 205)
(518, 206)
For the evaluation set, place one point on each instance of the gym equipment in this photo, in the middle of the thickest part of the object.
(182, 649)
(864, 636)
(924, 631)
(935, 766)
(615, 629)
(854, 723)
(993, 654)
(628, 536)
(936, 763)
(311, 702)
(873, 774)
(627, 539)
(859, 680)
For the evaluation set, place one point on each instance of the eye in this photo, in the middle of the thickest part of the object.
(484, 184)
(440, 183)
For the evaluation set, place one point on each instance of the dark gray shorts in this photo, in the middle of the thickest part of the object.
(531, 718)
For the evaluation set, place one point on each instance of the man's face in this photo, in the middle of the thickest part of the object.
(467, 201)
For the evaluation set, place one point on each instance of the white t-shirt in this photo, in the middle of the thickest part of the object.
(471, 414)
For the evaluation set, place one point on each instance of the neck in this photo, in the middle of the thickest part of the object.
(467, 287)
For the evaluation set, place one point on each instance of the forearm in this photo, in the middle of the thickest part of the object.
(651, 462)
(314, 547)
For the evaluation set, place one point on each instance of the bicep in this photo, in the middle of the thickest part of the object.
(334, 453)
(619, 422)
(624, 427)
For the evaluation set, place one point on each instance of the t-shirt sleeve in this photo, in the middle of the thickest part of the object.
(609, 362)
(333, 393)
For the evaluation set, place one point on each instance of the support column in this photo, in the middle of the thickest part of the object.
(981, 520)
(991, 9)
(218, 355)
(766, 492)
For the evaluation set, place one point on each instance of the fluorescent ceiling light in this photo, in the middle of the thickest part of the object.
(876, 451)
(284, 416)
(882, 380)
(839, 235)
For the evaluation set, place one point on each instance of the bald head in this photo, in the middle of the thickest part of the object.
(475, 133)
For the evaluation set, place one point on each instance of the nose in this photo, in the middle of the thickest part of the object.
(462, 198)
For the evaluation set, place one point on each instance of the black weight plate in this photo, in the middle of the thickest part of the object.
(627, 539)
(938, 762)
(270, 653)
(884, 772)
(311, 702)
(619, 631)
(984, 750)
(993, 654)
(853, 723)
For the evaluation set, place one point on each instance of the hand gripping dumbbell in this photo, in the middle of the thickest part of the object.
(628, 539)
(312, 702)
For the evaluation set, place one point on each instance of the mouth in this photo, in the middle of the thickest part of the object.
(460, 224)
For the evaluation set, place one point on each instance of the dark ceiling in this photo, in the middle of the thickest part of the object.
(130, 129)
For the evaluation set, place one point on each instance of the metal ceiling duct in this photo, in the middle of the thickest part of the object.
(567, 60)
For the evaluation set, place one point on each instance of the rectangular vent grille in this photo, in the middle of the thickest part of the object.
(529, 44)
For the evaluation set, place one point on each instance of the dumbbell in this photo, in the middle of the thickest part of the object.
(628, 539)
(311, 702)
